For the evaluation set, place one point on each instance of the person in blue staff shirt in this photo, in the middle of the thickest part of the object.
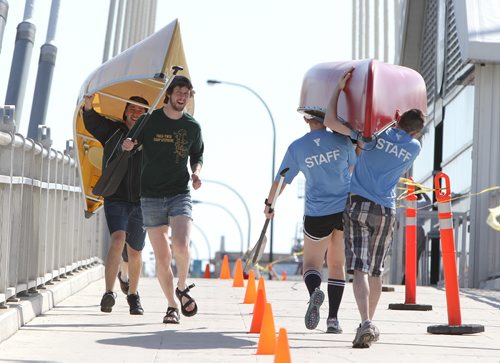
(370, 210)
(326, 159)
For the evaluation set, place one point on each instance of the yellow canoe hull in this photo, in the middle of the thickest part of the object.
(140, 70)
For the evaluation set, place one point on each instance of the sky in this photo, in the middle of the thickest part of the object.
(267, 45)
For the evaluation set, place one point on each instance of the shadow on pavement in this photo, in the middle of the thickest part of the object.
(490, 297)
(176, 339)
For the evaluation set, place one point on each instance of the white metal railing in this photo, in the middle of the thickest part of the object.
(429, 221)
(44, 234)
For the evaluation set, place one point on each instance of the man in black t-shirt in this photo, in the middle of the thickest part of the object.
(170, 139)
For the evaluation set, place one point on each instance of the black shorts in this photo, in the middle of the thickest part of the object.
(125, 216)
(317, 228)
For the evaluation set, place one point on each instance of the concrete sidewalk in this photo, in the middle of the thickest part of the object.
(76, 331)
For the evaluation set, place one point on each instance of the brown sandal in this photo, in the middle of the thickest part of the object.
(184, 293)
(172, 316)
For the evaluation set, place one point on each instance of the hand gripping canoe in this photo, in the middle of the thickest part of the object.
(113, 174)
(257, 251)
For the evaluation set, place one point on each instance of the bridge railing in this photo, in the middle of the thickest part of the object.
(428, 220)
(44, 235)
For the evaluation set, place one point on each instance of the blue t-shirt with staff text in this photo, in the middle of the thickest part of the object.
(379, 167)
(324, 157)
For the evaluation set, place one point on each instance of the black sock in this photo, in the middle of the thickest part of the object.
(335, 292)
(312, 278)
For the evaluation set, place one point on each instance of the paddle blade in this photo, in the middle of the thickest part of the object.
(255, 254)
(112, 176)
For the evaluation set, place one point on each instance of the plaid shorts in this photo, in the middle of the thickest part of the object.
(368, 229)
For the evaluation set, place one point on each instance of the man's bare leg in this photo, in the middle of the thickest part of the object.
(163, 255)
(361, 290)
(375, 283)
(134, 267)
(181, 231)
(113, 259)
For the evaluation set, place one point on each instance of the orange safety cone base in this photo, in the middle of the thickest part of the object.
(418, 307)
(455, 329)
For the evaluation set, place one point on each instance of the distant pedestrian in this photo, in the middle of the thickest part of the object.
(326, 159)
(370, 211)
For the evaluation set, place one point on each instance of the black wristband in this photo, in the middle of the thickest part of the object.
(267, 203)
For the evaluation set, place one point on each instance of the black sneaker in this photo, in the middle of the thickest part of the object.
(134, 302)
(108, 301)
(123, 285)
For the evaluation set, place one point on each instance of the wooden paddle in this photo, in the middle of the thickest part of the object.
(258, 250)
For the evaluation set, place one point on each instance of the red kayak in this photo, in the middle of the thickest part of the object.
(375, 95)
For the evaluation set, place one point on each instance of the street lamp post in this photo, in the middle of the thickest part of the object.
(213, 82)
(194, 201)
(242, 200)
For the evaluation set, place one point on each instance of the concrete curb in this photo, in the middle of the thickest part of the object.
(27, 308)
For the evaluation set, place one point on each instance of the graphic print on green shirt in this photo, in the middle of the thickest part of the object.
(168, 145)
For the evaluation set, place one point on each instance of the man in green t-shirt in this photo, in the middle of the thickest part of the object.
(169, 140)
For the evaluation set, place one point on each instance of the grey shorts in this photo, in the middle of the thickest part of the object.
(368, 229)
(157, 211)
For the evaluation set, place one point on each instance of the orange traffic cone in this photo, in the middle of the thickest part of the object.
(267, 338)
(250, 293)
(262, 287)
(283, 276)
(258, 312)
(207, 271)
(224, 269)
(282, 354)
(238, 274)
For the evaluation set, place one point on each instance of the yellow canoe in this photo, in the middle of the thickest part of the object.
(140, 70)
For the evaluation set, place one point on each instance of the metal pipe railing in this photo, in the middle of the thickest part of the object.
(44, 234)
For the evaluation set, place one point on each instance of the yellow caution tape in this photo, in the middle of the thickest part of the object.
(404, 193)
(269, 266)
(492, 219)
